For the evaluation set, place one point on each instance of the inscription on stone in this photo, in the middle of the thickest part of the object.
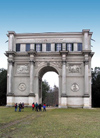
(74, 87)
(74, 68)
(22, 69)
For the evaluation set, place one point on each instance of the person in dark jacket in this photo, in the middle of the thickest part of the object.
(36, 107)
(39, 107)
(20, 106)
(15, 107)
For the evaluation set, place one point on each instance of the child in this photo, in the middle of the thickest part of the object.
(44, 107)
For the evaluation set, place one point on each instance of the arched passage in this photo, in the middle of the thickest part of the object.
(42, 71)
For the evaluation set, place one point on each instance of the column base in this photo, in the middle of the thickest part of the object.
(10, 100)
(10, 94)
(63, 103)
(86, 102)
(32, 94)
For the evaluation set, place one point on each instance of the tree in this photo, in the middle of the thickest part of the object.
(3, 86)
(96, 87)
(52, 97)
(45, 89)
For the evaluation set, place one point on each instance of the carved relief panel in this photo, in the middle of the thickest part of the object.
(74, 69)
(21, 69)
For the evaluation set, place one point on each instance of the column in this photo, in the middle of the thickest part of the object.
(31, 77)
(64, 53)
(10, 77)
(86, 39)
(11, 40)
(63, 101)
(86, 79)
(64, 78)
(32, 62)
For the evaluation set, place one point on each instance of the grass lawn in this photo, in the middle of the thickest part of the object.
(54, 123)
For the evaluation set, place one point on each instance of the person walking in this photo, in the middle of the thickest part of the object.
(20, 106)
(39, 107)
(33, 106)
(15, 107)
(23, 106)
(44, 107)
(36, 106)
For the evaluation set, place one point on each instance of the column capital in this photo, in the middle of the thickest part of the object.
(11, 61)
(31, 61)
(85, 31)
(32, 52)
(64, 52)
(86, 62)
(86, 52)
(64, 62)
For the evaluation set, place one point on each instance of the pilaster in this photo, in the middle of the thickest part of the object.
(32, 54)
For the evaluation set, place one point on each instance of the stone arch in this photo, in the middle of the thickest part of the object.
(40, 72)
(50, 67)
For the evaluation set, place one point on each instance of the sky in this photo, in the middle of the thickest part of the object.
(37, 16)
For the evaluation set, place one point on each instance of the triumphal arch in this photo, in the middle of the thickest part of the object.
(31, 55)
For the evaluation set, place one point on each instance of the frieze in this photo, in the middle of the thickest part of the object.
(21, 69)
(22, 87)
(74, 68)
(75, 87)
(57, 63)
(49, 63)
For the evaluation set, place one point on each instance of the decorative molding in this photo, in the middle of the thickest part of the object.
(22, 87)
(75, 87)
(58, 64)
(63, 95)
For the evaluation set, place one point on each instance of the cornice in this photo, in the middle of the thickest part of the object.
(10, 53)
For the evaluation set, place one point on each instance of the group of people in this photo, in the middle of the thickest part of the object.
(21, 106)
(37, 107)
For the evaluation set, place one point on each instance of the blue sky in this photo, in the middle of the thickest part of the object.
(30, 16)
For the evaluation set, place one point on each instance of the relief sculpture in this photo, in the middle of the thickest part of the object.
(74, 87)
(22, 86)
(22, 69)
(75, 69)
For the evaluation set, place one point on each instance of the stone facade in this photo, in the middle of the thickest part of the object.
(31, 55)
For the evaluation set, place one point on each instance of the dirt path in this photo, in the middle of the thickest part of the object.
(18, 121)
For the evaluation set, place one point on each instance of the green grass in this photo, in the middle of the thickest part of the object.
(54, 123)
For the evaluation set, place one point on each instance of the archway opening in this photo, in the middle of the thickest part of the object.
(49, 86)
